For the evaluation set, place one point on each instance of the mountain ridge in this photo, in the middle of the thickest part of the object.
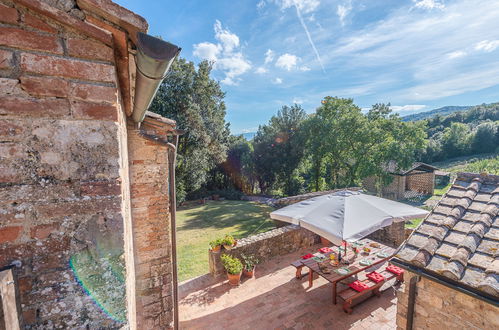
(442, 111)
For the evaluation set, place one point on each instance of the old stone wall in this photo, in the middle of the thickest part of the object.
(423, 182)
(285, 201)
(267, 245)
(60, 183)
(393, 235)
(394, 190)
(151, 230)
(440, 307)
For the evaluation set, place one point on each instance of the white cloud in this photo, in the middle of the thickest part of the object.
(418, 50)
(228, 40)
(428, 4)
(456, 54)
(343, 11)
(287, 61)
(305, 6)
(408, 107)
(484, 76)
(487, 45)
(277, 81)
(206, 51)
(226, 54)
(297, 100)
(233, 66)
(269, 56)
(261, 4)
(304, 68)
(261, 70)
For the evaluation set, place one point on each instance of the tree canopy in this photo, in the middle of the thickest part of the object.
(196, 102)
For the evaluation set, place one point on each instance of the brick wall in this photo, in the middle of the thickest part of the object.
(423, 182)
(151, 230)
(393, 235)
(394, 190)
(440, 307)
(60, 167)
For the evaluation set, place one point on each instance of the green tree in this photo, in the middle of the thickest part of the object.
(484, 138)
(279, 149)
(196, 103)
(456, 140)
(393, 144)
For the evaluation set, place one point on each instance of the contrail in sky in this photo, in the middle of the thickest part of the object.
(309, 37)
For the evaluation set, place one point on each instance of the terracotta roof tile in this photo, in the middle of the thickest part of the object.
(459, 239)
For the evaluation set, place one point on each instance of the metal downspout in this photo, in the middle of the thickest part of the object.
(172, 155)
(412, 300)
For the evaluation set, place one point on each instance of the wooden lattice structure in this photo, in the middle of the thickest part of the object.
(418, 180)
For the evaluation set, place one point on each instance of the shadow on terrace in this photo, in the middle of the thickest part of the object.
(276, 299)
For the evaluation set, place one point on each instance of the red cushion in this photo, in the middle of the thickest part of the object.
(375, 277)
(395, 270)
(358, 286)
(325, 250)
(307, 256)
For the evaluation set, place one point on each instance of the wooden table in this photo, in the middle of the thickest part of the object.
(355, 267)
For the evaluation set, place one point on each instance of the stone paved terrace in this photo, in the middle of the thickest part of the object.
(276, 300)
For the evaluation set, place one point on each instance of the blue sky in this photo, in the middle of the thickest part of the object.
(416, 54)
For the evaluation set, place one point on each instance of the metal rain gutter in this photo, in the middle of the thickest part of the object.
(153, 59)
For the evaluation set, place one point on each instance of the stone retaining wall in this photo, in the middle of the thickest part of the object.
(393, 235)
(266, 245)
(295, 199)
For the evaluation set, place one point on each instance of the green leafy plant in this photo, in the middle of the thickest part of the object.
(216, 242)
(249, 261)
(228, 240)
(231, 264)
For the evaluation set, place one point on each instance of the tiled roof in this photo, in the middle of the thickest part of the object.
(459, 239)
(393, 169)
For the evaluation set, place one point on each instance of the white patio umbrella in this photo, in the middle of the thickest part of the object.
(346, 215)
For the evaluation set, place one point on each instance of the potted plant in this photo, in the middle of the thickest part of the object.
(234, 268)
(229, 242)
(249, 265)
(216, 245)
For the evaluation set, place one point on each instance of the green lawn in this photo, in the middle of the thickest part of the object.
(198, 224)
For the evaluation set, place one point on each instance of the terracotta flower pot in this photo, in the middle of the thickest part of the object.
(234, 279)
(249, 273)
(229, 247)
(216, 248)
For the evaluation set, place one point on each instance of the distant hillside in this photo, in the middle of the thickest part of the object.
(248, 136)
(444, 111)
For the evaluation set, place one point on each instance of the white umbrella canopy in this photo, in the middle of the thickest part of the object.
(346, 215)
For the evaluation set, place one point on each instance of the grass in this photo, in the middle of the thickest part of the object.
(413, 223)
(197, 225)
(475, 164)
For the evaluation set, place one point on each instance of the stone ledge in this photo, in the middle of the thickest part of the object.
(265, 246)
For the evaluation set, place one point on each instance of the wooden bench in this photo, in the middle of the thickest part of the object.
(298, 265)
(352, 297)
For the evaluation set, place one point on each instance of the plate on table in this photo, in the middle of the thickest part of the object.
(366, 262)
(382, 255)
(319, 258)
(342, 271)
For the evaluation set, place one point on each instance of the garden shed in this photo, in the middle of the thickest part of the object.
(419, 179)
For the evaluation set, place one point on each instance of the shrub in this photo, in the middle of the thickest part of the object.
(228, 240)
(231, 264)
(249, 261)
(216, 242)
